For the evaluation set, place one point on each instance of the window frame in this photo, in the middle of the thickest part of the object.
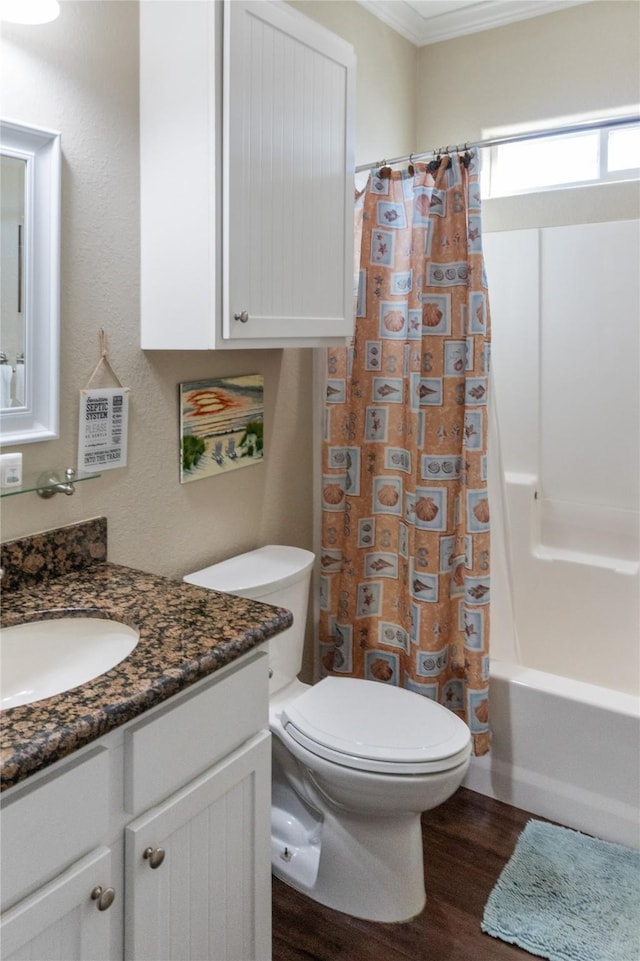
(496, 154)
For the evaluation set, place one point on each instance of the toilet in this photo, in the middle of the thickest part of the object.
(355, 762)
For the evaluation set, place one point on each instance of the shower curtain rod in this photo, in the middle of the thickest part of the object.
(511, 138)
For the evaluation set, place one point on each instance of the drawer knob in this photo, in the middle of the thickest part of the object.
(155, 856)
(104, 896)
(243, 316)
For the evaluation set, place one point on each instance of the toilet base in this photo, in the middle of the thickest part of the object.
(295, 849)
(370, 869)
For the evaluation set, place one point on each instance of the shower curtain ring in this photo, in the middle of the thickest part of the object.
(435, 163)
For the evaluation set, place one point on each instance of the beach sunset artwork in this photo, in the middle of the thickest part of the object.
(221, 425)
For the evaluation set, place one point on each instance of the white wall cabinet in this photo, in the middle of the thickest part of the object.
(186, 879)
(247, 160)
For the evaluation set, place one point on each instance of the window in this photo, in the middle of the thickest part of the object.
(566, 160)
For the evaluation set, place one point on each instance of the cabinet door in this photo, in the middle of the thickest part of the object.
(61, 921)
(210, 897)
(288, 163)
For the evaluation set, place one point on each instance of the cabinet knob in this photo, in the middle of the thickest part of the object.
(243, 316)
(104, 896)
(155, 856)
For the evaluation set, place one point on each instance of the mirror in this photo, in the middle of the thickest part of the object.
(12, 178)
(30, 283)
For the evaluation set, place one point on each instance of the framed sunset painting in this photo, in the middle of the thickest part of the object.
(221, 425)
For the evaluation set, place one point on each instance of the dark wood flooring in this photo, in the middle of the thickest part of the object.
(467, 842)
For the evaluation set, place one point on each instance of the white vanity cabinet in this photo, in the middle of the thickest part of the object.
(54, 856)
(153, 844)
(60, 921)
(247, 163)
(196, 867)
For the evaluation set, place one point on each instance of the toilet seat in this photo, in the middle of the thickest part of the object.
(368, 726)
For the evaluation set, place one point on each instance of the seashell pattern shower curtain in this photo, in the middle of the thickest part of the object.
(405, 588)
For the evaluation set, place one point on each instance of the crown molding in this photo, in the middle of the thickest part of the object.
(463, 18)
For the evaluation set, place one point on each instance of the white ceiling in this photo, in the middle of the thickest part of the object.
(430, 21)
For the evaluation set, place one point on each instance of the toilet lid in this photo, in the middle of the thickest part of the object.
(369, 726)
(256, 573)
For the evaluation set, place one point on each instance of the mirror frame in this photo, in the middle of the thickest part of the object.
(39, 418)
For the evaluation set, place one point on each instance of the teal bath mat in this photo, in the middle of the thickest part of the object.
(568, 897)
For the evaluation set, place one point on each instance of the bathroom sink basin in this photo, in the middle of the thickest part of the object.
(42, 658)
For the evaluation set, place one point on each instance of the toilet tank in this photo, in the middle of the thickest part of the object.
(276, 575)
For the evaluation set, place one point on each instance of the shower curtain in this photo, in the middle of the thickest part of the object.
(404, 595)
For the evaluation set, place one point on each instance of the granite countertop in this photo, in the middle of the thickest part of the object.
(186, 633)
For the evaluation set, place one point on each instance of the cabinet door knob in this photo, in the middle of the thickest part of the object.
(104, 896)
(243, 316)
(155, 856)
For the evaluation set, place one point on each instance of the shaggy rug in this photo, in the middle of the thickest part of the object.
(568, 897)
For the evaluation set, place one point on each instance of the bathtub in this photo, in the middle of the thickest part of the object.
(564, 750)
(564, 673)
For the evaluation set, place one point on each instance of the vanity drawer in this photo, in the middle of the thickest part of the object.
(50, 824)
(178, 741)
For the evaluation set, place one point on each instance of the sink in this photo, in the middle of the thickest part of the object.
(47, 657)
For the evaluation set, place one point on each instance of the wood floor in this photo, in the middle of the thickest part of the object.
(467, 842)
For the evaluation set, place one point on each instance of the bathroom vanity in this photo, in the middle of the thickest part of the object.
(136, 807)
(156, 837)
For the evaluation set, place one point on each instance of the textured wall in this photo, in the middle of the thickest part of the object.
(79, 75)
(575, 61)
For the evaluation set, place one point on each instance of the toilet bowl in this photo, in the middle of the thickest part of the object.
(355, 762)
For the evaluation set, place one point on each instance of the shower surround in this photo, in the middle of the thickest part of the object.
(563, 449)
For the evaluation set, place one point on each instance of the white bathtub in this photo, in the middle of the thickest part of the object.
(564, 750)
(565, 523)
